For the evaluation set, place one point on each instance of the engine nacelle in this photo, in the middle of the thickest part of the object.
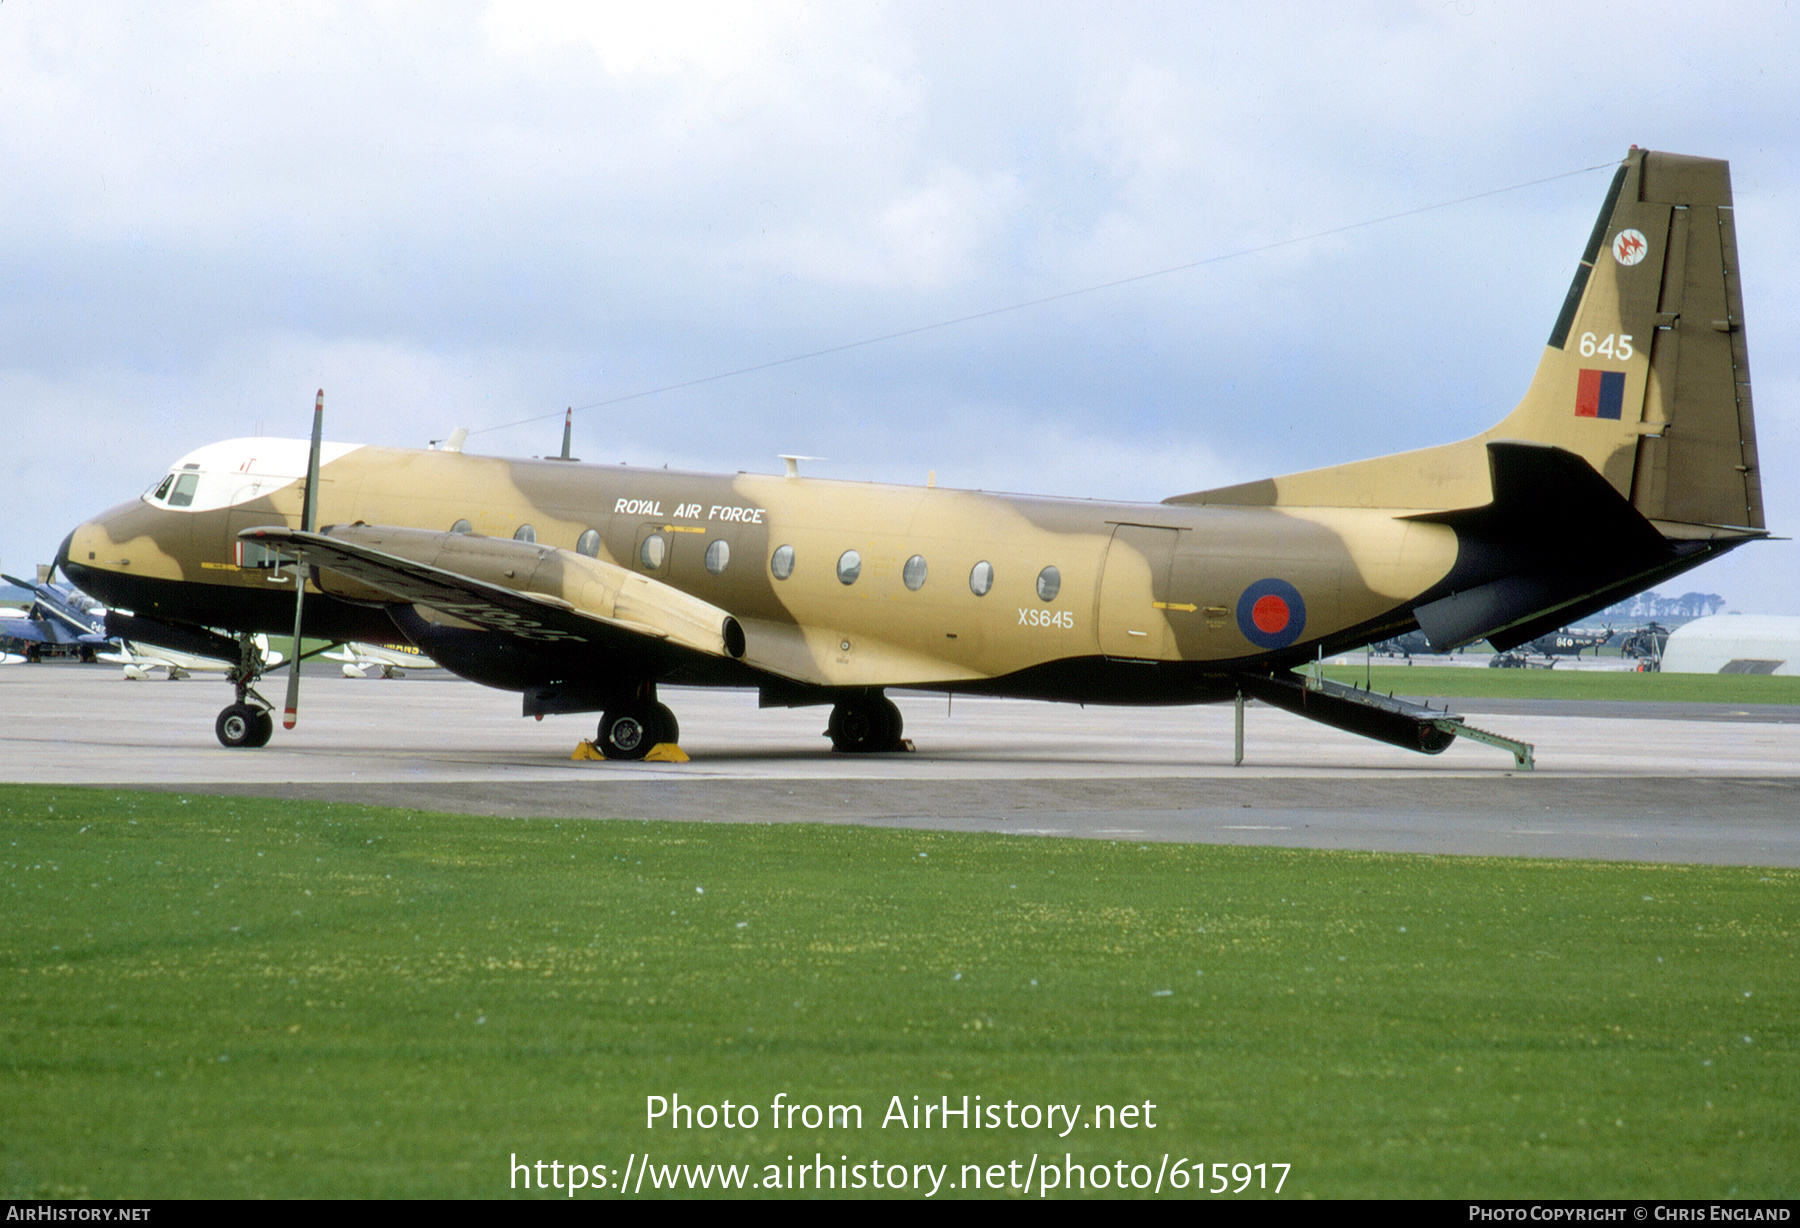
(562, 577)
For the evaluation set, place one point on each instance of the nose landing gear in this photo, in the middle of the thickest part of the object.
(244, 724)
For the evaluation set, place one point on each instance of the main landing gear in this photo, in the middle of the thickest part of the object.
(244, 723)
(629, 731)
(865, 724)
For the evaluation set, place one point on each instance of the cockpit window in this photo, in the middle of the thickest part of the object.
(162, 492)
(183, 494)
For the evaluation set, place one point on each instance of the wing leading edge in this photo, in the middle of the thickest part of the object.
(522, 591)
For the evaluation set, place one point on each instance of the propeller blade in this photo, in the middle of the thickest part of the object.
(292, 712)
(309, 522)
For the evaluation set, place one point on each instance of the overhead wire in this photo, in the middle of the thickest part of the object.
(1050, 298)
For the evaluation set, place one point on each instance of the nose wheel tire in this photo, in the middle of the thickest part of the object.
(241, 725)
(629, 733)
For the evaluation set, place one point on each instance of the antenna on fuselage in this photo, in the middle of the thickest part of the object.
(793, 463)
(568, 425)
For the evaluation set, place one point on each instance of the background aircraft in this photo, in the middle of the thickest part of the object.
(1630, 459)
(143, 662)
(1646, 643)
(1569, 642)
(60, 622)
(377, 660)
(1413, 643)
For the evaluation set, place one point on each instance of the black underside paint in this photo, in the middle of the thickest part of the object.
(1556, 544)
(231, 608)
(589, 679)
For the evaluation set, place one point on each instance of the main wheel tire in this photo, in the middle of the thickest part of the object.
(668, 729)
(628, 733)
(236, 726)
(265, 727)
(865, 725)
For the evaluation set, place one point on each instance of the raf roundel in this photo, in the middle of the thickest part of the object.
(1271, 613)
(1629, 247)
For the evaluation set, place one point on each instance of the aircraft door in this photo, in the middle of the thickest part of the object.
(1133, 579)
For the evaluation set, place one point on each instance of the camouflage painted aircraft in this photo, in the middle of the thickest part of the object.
(1631, 459)
(1570, 642)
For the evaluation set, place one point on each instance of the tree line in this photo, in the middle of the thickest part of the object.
(1652, 604)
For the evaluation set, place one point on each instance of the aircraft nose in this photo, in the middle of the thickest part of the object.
(79, 553)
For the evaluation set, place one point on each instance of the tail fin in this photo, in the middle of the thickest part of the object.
(1645, 375)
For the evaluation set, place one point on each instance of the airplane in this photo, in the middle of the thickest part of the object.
(142, 662)
(62, 622)
(1631, 458)
(381, 660)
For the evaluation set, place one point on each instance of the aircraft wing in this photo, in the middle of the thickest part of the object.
(518, 590)
(362, 654)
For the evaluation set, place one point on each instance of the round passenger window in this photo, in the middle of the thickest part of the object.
(1049, 584)
(718, 557)
(781, 563)
(849, 567)
(589, 544)
(652, 552)
(524, 533)
(462, 526)
(913, 574)
(981, 578)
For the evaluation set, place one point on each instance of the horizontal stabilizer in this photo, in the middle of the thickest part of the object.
(1554, 502)
(1556, 542)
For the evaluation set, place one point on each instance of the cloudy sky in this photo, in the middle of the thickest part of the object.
(474, 215)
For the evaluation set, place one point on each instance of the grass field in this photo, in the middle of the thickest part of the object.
(221, 997)
(1456, 682)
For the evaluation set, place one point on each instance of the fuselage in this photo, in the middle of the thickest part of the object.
(875, 585)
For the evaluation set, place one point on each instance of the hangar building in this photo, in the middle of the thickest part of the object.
(1735, 644)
